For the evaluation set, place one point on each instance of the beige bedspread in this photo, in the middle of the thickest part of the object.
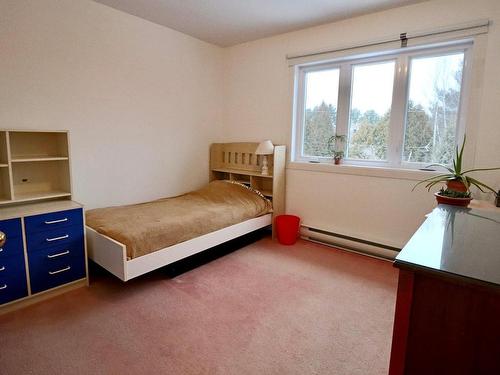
(151, 226)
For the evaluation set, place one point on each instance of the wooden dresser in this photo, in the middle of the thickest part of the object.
(448, 302)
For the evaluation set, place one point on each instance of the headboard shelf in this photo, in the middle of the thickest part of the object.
(238, 162)
(240, 171)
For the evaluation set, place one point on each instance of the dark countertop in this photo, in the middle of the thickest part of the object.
(458, 241)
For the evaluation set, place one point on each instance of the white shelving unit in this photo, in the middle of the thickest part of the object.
(34, 165)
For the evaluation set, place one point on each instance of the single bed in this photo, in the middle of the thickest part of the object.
(132, 240)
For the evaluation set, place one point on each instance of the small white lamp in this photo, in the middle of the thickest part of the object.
(265, 148)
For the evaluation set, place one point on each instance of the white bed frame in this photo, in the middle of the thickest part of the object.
(112, 255)
(233, 161)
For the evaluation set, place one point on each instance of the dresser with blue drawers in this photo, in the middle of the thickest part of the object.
(43, 249)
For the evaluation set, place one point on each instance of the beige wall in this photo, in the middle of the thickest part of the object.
(142, 102)
(258, 102)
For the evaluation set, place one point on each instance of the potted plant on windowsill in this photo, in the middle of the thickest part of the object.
(336, 147)
(338, 156)
(457, 181)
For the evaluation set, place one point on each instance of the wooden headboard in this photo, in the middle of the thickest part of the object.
(239, 156)
(238, 162)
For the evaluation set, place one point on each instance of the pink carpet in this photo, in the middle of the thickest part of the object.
(264, 309)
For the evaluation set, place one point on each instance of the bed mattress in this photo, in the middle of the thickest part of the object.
(147, 227)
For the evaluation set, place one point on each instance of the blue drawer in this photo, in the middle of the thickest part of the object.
(55, 256)
(63, 236)
(48, 273)
(53, 220)
(11, 227)
(11, 265)
(12, 279)
(13, 248)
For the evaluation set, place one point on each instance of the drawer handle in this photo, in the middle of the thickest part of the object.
(59, 271)
(57, 221)
(57, 255)
(3, 287)
(2, 269)
(57, 238)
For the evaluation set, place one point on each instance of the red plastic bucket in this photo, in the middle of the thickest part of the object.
(287, 228)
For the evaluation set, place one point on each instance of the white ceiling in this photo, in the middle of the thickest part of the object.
(229, 22)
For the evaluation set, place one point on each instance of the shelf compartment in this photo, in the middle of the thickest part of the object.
(33, 180)
(38, 145)
(262, 184)
(267, 193)
(218, 175)
(243, 182)
(240, 178)
(249, 173)
(5, 194)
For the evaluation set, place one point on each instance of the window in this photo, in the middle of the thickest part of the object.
(370, 110)
(320, 117)
(395, 109)
(432, 109)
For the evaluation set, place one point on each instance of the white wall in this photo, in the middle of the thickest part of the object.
(142, 102)
(258, 102)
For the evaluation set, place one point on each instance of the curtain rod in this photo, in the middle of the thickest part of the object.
(403, 37)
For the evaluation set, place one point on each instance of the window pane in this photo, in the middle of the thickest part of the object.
(371, 101)
(320, 117)
(432, 114)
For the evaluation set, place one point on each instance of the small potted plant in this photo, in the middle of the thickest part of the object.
(457, 181)
(338, 156)
(336, 147)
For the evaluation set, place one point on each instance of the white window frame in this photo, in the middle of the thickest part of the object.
(397, 122)
(301, 103)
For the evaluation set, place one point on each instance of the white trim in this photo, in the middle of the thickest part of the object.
(300, 87)
(344, 101)
(398, 112)
(112, 255)
(464, 97)
(361, 170)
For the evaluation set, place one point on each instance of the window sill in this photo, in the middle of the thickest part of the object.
(380, 172)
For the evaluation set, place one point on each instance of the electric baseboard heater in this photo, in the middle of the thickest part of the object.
(349, 243)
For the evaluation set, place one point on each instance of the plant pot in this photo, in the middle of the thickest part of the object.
(456, 185)
(462, 202)
(337, 161)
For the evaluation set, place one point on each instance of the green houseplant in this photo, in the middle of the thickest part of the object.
(458, 181)
(336, 147)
